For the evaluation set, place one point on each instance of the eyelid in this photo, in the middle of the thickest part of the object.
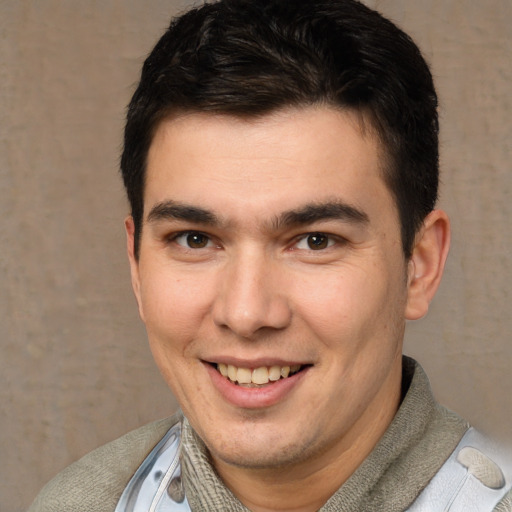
(182, 234)
(332, 240)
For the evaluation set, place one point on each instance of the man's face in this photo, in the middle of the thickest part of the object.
(272, 247)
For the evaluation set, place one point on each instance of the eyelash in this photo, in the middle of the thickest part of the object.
(317, 238)
(174, 238)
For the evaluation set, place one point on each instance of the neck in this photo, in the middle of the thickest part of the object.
(307, 485)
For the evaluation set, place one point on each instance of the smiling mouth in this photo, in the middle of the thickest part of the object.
(257, 377)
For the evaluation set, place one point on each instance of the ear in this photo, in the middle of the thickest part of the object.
(425, 268)
(134, 263)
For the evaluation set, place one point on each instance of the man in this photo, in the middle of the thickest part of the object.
(281, 162)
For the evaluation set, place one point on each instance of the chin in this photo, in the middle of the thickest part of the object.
(252, 449)
(248, 459)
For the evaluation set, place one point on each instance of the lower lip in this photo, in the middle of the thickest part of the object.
(255, 398)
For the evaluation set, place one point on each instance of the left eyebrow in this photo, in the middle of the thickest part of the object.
(172, 210)
(316, 212)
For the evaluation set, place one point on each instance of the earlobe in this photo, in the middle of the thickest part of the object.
(426, 265)
(134, 263)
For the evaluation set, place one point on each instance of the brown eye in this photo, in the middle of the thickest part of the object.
(197, 240)
(317, 241)
(192, 240)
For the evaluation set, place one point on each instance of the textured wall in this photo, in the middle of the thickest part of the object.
(74, 368)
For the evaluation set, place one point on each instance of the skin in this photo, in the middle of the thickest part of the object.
(228, 272)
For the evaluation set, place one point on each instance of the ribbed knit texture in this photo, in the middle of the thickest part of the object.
(95, 482)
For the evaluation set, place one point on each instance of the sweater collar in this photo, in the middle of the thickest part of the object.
(417, 442)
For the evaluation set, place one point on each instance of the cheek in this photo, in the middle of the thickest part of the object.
(173, 306)
(350, 305)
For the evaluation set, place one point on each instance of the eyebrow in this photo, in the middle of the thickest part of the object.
(310, 213)
(171, 210)
(307, 214)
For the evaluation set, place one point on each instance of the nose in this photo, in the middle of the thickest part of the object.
(251, 298)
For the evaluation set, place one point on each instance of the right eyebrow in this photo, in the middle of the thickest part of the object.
(172, 210)
(316, 212)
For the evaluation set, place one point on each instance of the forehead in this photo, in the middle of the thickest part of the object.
(273, 162)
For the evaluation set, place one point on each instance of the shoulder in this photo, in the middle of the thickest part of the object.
(476, 476)
(96, 481)
(505, 504)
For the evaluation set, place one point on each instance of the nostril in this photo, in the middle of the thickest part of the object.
(249, 301)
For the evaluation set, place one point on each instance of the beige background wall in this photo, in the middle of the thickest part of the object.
(74, 367)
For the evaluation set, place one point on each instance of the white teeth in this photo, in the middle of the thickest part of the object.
(274, 373)
(259, 376)
(244, 376)
(223, 369)
(232, 371)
